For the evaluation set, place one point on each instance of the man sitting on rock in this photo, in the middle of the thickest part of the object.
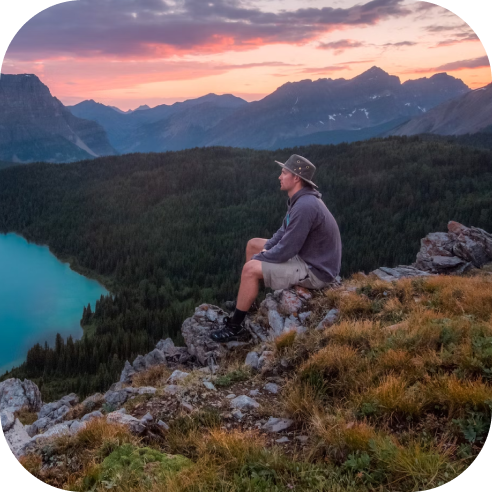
(305, 251)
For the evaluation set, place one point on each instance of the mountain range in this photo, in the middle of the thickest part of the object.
(296, 113)
(35, 126)
(470, 113)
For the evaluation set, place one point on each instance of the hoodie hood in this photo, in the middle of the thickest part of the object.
(303, 191)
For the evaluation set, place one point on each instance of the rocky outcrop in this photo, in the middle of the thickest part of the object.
(454, 252)
(15, 395)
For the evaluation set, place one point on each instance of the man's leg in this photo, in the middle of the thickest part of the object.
(248, 290)
(254, 247)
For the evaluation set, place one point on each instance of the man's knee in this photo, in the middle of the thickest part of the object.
(252, 269)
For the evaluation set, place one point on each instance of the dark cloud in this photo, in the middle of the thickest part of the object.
(340, 46)
(460, 38)
(161, 28)
(400, 44)
(318, 70)
(481, 62)
(434, 28)
(260, 64)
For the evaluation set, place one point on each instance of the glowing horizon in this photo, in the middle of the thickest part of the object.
(162, 51)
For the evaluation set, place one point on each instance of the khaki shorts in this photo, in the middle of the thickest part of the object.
(292, 272)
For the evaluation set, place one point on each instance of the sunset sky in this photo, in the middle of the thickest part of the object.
(131, 52)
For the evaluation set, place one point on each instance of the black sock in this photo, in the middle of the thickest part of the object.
(238, 316)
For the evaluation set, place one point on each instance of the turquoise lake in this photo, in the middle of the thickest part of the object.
(39, 297)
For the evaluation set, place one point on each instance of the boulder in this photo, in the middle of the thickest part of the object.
(154, 358)
(196, 333)
(127, 373)
(134, 425)
(15, 395)
(146, 390)
(17, 438)
(244, 402)
(277, 424)
(77, 426)
(8, 420)
(271, 388)
(139, 364)
(329, 319)
(252, 360)
(116, 398)
(90, 416)
(455, 251)
(166, 346)
(176, 376)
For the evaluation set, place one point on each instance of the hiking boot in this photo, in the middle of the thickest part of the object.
(230, 332)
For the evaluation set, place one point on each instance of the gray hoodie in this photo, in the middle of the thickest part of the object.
(310, 231)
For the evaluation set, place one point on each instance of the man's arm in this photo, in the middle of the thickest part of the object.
(275, 238)
(301, 219)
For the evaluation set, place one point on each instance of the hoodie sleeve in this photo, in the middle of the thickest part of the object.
(276, 237)
(291, 242)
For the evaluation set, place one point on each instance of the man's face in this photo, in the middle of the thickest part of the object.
(287, 180)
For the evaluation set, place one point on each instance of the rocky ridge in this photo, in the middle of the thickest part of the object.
(191, 382)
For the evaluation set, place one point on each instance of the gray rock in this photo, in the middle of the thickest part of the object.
(117, 386)
(177, 375)
(154, 358)
(329, 319)
(289, 303)
(252, 360)
(166, 346)
(254, 392)
(146, 390)
(8, 419)
(134, 425)
(302, 439)
(163, 425)
(456, 251)
(70, 400)
(77, 426)
(237, 414)
(15, 395)
(127, 373)
(209, 386)
(277, 424)
(116, 398)
(139, 364)
(17, 438)
(56, 430)
(186, 406)
(196, 333)
(171, 389)
(244, 402)
(282, 440)
(147, 418)
(304, 316)
(271, 388)
(39, 426)
(292, 323)
(90, 416)
(231, 396)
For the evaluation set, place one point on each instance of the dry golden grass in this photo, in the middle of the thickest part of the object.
(285, 340)
(393, 395)
(463, 295)
(340, 436)
(155, 376)
(300, 400)
(353, 306)
(25, 416)
(456, 395)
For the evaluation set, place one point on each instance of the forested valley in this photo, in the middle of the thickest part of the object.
(165, 232)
